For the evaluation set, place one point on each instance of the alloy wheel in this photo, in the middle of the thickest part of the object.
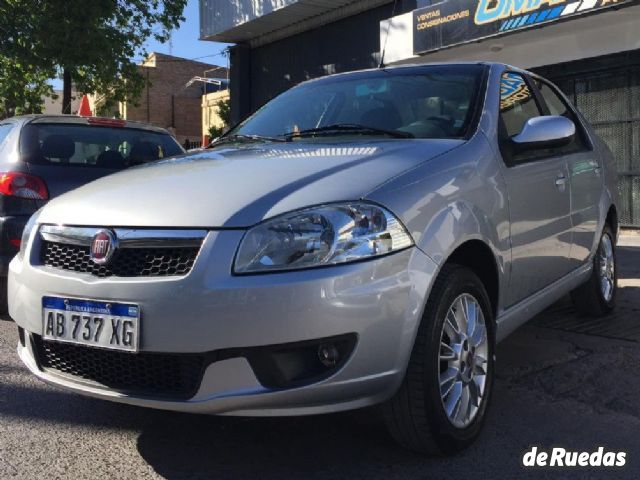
(606, 267)
(463, 360)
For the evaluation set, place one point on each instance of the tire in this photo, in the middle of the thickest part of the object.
(591, 298)
(415, 416)
(4, 307)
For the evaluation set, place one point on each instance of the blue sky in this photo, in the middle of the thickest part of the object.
(185, 40)
(185, 43)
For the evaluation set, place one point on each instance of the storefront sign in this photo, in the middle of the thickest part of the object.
(452, 22)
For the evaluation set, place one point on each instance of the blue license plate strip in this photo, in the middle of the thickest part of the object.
(102, 324)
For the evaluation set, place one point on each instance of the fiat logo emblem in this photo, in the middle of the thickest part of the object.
(103, 246)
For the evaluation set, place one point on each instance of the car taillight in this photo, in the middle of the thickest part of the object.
(23, 185)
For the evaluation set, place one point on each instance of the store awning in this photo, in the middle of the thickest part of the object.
(246, 21)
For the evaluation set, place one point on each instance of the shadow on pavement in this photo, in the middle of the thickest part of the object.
(628, 262)
(36, 401)
(622, 323)
(348, 445)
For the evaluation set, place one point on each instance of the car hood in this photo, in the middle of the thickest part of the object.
(239, 186)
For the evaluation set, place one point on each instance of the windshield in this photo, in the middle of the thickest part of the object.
(424, 102)
(94, 146)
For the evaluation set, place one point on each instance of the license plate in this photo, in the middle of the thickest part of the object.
(85, 322)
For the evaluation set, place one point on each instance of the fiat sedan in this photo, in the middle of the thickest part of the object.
(365, 238)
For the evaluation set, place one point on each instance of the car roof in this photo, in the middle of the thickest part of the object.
(92, 121)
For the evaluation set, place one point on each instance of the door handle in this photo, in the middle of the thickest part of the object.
(561, 180)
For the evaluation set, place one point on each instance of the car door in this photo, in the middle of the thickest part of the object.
(538, 195)
(585, 176)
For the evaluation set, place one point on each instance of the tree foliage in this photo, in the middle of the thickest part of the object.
(95, 42)
(22, 88)
(23, 73)
(224, 112)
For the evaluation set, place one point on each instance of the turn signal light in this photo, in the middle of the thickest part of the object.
(23, 185)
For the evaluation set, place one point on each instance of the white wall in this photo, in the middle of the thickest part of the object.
(54, 107)
(397, 34)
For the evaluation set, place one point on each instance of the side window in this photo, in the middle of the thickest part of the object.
(517, 103)
(4, 133)
(557, 106)
(554, 103)
(5, 139)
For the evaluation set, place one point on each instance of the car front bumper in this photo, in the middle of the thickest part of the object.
(378, 302)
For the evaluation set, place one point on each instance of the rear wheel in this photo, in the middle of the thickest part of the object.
(4, 307)
(597, 296)
(441, 404)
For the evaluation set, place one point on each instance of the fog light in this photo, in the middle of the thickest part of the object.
(293, 364)
(328, 355)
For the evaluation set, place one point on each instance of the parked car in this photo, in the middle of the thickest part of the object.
(365, 238)
(43, 156)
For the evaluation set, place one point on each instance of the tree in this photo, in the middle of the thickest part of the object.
(23, 74)
(90, 44)
(22, 89)
(224, 112)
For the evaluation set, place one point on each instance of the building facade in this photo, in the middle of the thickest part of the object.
(590, 48)
(172, 98)
(53, 106)
(211, 113)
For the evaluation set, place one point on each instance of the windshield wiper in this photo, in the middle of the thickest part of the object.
(346, 128)
(239, 137)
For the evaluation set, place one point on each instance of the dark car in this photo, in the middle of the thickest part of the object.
(43, 156)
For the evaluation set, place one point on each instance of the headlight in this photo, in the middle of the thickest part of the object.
(324, 235)
(26, 233)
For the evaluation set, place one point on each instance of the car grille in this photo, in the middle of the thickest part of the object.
(126, 262)
(175, 376)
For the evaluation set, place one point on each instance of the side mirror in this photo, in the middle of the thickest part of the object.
(550, 131)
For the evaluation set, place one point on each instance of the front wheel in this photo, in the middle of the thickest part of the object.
(4, 307)
(441, 404)
(597, 296)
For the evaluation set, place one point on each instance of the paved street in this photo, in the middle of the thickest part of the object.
(562, 381)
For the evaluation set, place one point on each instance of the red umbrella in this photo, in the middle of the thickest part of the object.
(85, 108)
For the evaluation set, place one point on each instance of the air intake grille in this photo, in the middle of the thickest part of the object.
(150, 374)
(126, 262)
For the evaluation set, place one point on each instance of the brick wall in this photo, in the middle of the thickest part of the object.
(166, 102)
(188, 119)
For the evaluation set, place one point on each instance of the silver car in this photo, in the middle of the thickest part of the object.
(364, 238)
